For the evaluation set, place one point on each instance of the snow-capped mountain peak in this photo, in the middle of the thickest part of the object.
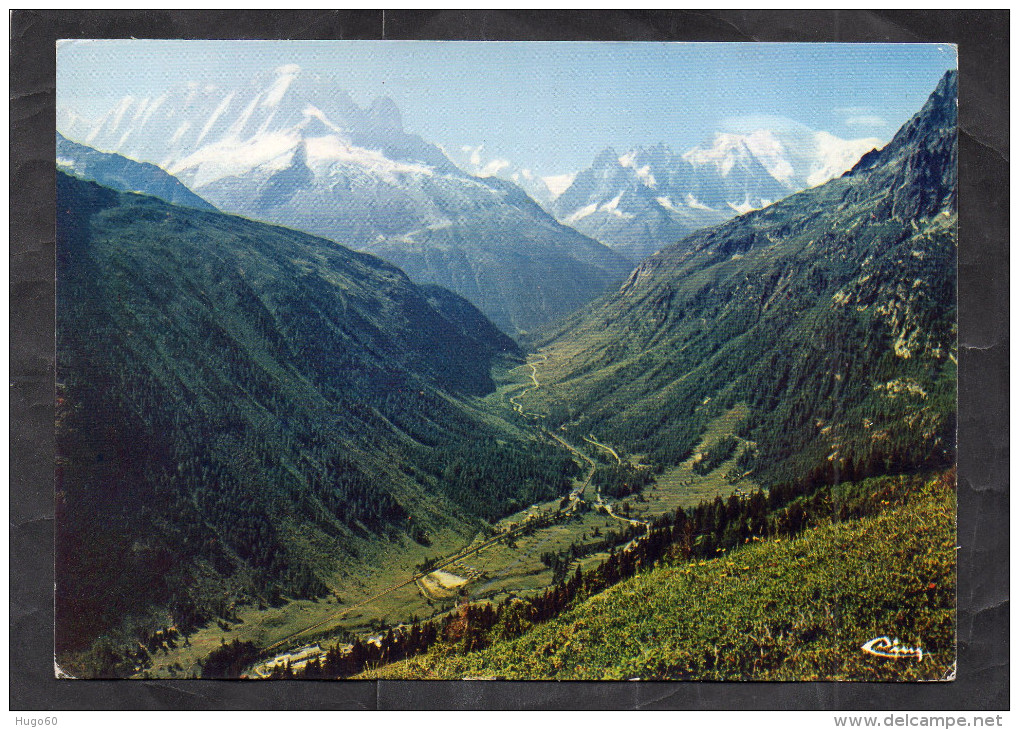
(385, 115)
(738, 160)
(649, 196)
(205, 133)
(292, 149)
(726, 152)
(284, 78)
(608, 157)
(800, 157)
(731, 173)
(642, 171)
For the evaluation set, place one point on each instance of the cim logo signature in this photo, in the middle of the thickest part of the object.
(891, 649)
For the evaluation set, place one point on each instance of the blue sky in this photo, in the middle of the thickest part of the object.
(549, 106)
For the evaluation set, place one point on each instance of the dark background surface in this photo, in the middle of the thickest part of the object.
(983, 668)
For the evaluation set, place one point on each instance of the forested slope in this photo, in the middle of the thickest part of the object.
(244, 410)
(831, 314)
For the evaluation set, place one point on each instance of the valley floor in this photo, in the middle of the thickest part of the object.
(505, 563)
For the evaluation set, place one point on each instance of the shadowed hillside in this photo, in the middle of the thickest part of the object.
(244, 410)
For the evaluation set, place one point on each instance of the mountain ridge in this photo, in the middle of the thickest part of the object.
(651, 197)
(125, 174)
(289, 149)
(742, 312)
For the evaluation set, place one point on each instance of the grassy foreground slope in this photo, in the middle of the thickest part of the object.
(791, 609)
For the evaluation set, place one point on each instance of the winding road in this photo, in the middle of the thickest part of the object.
(534, 379)
(590, 439)
(577, 494)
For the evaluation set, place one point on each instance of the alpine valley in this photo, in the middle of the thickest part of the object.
(331, 406)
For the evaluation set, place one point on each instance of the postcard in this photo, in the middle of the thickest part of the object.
(506, 360)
